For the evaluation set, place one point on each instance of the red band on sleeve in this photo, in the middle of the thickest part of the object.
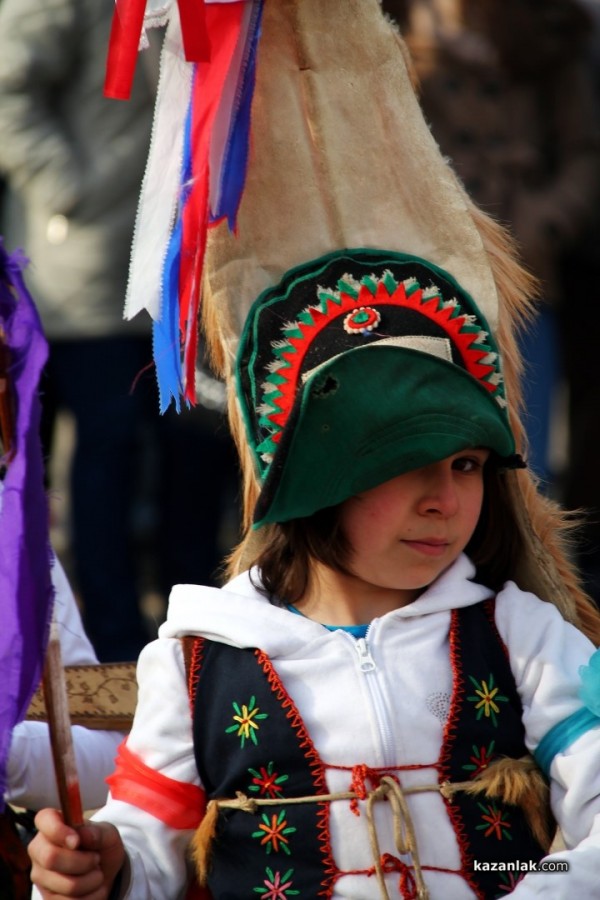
(176, 803)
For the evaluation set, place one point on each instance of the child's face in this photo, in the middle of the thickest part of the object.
(407, 531)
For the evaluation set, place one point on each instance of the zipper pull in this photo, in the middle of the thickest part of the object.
(366, 661)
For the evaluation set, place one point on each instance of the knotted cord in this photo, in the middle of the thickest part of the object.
(515, 781)
(412, 883)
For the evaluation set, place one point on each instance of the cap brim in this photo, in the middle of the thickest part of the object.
(369, 415)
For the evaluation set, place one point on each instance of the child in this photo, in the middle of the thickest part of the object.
(372, 706)
(362, 655)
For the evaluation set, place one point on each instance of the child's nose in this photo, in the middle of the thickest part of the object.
(440, 494)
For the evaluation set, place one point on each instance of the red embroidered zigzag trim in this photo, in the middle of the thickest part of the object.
(458, 693)
(445, 316)
(316, 766)
(194, 670)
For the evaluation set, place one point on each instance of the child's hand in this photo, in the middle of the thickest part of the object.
(74, 863)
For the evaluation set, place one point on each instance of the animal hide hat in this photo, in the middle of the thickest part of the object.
(360, 308)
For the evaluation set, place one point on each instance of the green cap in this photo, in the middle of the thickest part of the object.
(361, 366)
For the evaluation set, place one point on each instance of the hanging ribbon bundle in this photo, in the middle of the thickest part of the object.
(214, 86)
(214, 163)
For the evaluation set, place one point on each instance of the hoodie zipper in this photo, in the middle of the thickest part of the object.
(368, 667)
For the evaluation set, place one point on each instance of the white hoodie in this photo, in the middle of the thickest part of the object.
(389, 712)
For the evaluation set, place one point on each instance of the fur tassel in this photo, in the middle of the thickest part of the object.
(518, 782)
(202, 841)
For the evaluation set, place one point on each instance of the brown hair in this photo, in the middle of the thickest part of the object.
(496, 542)
(290, 548)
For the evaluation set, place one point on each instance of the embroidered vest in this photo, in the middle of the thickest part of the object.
(249, 737)
(484, 724)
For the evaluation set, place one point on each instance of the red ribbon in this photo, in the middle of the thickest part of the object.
(194, 30)
(223, 21)
(124, 42)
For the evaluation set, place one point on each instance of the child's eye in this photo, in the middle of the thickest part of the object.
(468, 464)
(464, 464)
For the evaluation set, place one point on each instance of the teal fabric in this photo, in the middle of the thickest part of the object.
(562, 735)
(565, 733)
(590, 683)
(357, 631)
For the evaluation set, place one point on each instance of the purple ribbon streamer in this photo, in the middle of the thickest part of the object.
(26, 592)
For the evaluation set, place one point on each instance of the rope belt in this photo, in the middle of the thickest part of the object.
(516, 781)
(388, 789)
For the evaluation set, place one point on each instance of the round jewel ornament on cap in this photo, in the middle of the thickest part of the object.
(362, 321)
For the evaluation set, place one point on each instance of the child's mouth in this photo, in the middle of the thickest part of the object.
(428, 546)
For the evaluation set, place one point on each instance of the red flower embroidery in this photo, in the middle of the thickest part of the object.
(266, 781)
(510, 882)
(480, 759)
(273, 831)
(493, 822)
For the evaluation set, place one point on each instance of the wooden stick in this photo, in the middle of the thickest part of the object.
(61, 739)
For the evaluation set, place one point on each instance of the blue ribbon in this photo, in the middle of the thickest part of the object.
(165, 332)
(566, 732)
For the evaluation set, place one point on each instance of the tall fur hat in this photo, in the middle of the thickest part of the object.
(346, 232)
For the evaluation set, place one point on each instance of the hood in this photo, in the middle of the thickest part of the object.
(240, 616)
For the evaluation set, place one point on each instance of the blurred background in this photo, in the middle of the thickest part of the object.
(511, 89)
(138, 501)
